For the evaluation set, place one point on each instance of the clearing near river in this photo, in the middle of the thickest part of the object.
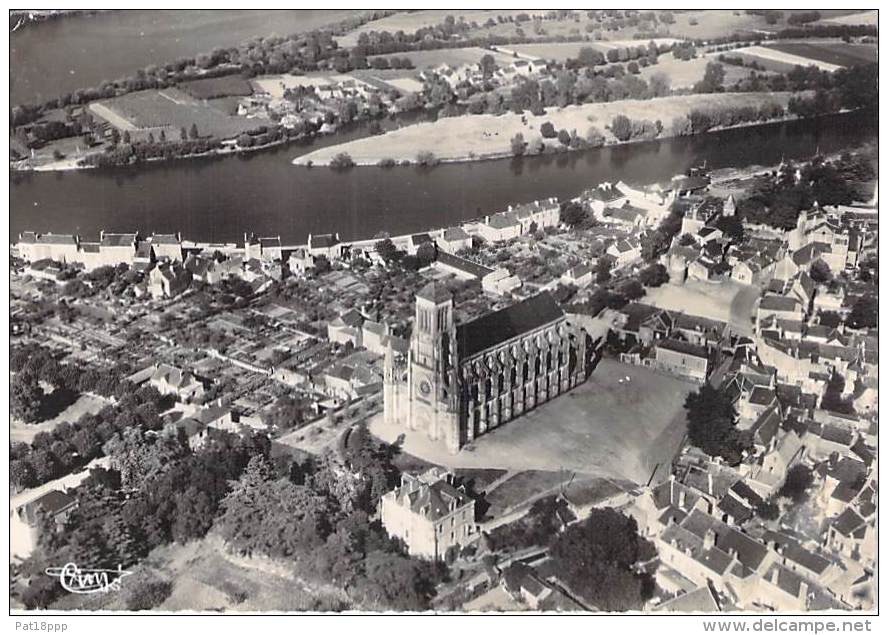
(474, 137)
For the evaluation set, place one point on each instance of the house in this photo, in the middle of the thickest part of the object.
(168, 280)
(703, 268)
(500, 282)
(625, 252)
(266, 249)
(300, 261)
(33, 246)
(327, 245)
(768, 475)
(847, 534)
(605, 195)
(683, 359)
(374, 336)
(170, 380)
(499, 227)
(580, 276)
(166, 247)
(708, 551)
(520, 581)
(537, 215)
(346, 328)
(781, 306)
(116, 249)
(627, 215)
(415, 241)
(432, 516)
(460, 267)
(56, 505)
(453, 239)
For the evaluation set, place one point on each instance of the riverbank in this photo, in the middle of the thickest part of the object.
(482, 137)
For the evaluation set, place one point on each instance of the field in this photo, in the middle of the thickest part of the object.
(171, 110)
(870, 18)
(415, 20)
(215, 87)
(561, 51)
(684, 74)
(838, 53)
(455, 57)
(485, 136)
(774, 58)
(713, 23)
(604, 428)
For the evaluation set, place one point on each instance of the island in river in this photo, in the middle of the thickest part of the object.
(477, 137)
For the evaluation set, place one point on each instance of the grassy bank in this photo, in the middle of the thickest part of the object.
(476, 137)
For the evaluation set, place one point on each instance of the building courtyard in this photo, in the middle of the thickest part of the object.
(609, 426)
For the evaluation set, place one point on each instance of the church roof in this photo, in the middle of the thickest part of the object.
(494, 328)
(435, 292)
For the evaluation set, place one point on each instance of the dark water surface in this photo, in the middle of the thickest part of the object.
(59, 56)
(221, 198)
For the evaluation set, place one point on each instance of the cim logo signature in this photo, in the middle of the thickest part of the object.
(85, 581)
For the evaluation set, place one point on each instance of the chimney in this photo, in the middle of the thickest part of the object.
(681, 499)
(709, 482)
(775, 575)
(803, 590)
(709, 539)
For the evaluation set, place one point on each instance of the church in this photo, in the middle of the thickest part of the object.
(459, 381)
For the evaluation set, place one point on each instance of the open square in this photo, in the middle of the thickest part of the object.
(607, 426)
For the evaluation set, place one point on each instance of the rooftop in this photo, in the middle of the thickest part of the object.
(500, 326)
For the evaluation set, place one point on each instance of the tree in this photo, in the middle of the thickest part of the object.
(25, 397)
(713, 79)
(192, 132)
(572, 213)
(183, 134)
(145, 595)
(598, 560)
(548, 130)
(631, 290)
(711, 419)
(820, 271)
(621, 127)
(768, 510)
(603, 270)
(518, 145)
(659, 84)
(392, 581)
(832, 396)
(654, 275)
(487, 64)
(632, 67)
(731, 227)
(864, 313)
(798, 479)
(387, 250)
(426, 159)
(594, 137)
(342, 161)
(564, 137)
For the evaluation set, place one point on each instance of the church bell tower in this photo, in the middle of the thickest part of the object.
(432, 378)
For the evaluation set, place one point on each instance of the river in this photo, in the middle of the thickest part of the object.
(218, 199)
